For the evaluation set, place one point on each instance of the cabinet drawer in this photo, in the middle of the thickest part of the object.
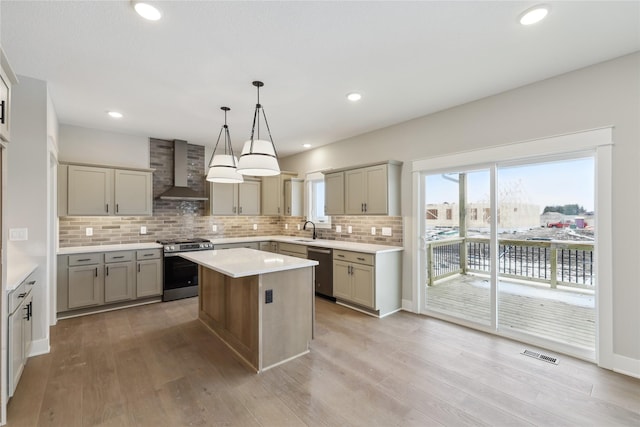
(84, 259)
(357, 257)
(288, 248)
(148, 254)
(120, 256)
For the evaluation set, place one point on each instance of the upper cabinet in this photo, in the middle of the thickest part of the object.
(293, 197)
(91, 190)
(367, 190)
(235, 199)
(273, 193)
(7, 79)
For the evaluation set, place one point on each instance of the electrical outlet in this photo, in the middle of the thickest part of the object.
(286, 226)
(255, 226)
(268, 296)
(214, 228)
(386, 231)
(373, 231)
(143, 229)
(338, 229)
(349, 229)
(298, 226)
(89, 231)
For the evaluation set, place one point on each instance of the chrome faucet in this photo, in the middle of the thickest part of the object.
(304, 227)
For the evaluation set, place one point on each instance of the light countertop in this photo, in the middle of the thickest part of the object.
(242, 262)
(333, 244)
(108, 248)
(17, 271)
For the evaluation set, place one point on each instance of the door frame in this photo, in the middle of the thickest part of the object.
(599, 142)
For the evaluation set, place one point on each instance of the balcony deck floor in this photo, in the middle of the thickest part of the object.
(565, 316)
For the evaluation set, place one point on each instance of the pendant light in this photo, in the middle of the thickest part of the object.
(259, 156)
(223, 167)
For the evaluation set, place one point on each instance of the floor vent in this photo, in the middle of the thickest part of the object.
(540, 356)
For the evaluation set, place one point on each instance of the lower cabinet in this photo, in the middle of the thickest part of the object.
(20, 331)
(92, 281)
(370, 282)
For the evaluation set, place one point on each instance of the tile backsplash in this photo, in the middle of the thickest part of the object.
(109, 230)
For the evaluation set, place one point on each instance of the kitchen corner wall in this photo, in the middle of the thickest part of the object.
(177, 219)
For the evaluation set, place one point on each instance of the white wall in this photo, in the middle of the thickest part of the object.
(26, 203)
(83, 145)
(606, 94)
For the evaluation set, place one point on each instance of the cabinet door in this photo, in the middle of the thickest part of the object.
(89, 191)
(363, 285)
(224, 199)
(149, 278)
(375, 188)
(4, 110)
(334, 193)
(353, 189)
(119, 281)
(85, 286)
(249, 198)
(15, 351)
(293, 193)
(133, 192)
(272, 195)
(341, 280)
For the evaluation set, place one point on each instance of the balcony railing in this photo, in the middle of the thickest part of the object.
(556, 262)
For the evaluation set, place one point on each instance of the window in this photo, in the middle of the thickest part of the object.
(314, 205)
(449, 213)
(432, 214)
(473, 215)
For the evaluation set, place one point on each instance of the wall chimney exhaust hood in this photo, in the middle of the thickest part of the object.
(180, 191)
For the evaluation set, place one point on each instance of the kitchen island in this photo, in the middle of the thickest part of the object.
(260, 304)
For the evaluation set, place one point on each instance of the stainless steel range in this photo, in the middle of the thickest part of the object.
(181, 275)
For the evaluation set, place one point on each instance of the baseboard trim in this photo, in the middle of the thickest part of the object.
(407, 305)
(626, 365)
(39, 347)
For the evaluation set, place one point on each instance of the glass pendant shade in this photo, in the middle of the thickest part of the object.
(222, 169)
(260, 160)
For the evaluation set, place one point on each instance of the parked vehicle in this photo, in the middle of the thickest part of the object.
(558, 224)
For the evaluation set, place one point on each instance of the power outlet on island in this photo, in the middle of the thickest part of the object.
(268, 296)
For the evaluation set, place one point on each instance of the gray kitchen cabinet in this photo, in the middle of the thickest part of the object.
(293, 197)
(366, 190)
(334, 193)
(370, 282)
(248, 245)
(86, 286)
(149, 273)
(7, 79)
(273, 193)
(269, 247)
(235, 199)
(119, 276)
(94, 190)
(291, 249)
(133, 192)
(20, 330)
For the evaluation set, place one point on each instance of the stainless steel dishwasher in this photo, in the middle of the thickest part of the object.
(324, 270)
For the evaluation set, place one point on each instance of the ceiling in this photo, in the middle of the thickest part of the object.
(169, 78)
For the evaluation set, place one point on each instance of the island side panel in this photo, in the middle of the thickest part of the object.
(229, 307)
(287, 322)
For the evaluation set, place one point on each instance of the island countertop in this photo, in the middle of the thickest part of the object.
(242, 262)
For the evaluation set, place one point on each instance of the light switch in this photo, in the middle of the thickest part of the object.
(386, 231)
(16, 234)
(214, 228)
(338, 229)
(349, 229)
(373, 231)
(286, 226)
(89, 231)
(143, 229)
(298, 226)
(255, 226)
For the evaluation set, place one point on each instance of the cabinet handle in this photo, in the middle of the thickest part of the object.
(340, 256)
(96, 271)
(84, 259)
(234, 209)
(107, 271)
(138, 267)
(22, 295)
(107, 207)
(361, 259)
(365, 207)
(118, 257)
(361, 207)
(2, 112)
(117, 207)
(278, 209)
(26, 308)
(147, 255)
(240, 209)
(33, 282)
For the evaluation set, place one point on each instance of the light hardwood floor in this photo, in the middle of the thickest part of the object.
(156, 365)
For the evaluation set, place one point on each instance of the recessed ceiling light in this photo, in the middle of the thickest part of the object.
(354, 96)
(114, 114)
(534, 14)
(306, 145)
(147, 11)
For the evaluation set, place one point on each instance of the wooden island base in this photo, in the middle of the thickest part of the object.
(263, 334)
